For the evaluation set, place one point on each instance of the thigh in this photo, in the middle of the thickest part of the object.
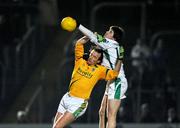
(113, 106)
(58, 115)
(64, 120)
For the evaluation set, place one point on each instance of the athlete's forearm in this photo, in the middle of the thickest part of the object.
(117, 68)
(118, 65)
(108, 83)
(89, 34)
(92, 36)
(83, 40)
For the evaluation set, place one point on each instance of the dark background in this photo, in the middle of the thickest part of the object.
(37, 57)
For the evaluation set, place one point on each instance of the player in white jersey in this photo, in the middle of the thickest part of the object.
(115, 90)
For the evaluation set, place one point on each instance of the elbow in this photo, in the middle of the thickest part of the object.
(116, 74)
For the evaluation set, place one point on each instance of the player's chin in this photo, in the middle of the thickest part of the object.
(89, 62)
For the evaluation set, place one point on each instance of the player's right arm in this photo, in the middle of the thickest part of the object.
(79, 48)
(108, 74)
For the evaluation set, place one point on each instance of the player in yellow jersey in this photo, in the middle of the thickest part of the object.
(84, 77)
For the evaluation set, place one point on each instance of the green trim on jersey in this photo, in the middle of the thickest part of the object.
(108, 57)
(100, 39)
(121, 54)
(80, 109)
(117, 88)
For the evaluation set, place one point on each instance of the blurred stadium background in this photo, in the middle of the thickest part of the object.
(36, 60)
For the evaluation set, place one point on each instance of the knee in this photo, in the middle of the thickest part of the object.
(112, 112)
(101, 112)
(111, 116)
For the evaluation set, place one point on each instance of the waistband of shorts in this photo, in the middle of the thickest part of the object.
(76, 97)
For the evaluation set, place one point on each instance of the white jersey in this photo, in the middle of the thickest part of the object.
(111, 48)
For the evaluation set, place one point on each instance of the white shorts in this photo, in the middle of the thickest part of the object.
(117, 89)
(76, 106)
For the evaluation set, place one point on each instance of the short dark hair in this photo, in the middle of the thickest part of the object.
(118, 33)
(99, 50)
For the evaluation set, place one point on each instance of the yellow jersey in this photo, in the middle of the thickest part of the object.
(85, 77)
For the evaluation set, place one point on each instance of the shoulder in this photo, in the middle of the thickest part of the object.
(80, 60)
(112, 42)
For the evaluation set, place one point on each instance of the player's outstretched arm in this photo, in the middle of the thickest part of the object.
(83, 40)
(88, 33)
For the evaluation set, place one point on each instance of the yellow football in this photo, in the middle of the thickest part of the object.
(68, 24)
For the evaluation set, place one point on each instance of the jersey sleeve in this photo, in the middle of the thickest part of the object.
(95, 38)
(79, 51)
(108, 74)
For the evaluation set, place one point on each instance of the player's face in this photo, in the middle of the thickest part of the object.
(109, 34)
(94, 58)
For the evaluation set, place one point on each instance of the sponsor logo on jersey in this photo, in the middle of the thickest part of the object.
(86, 74)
